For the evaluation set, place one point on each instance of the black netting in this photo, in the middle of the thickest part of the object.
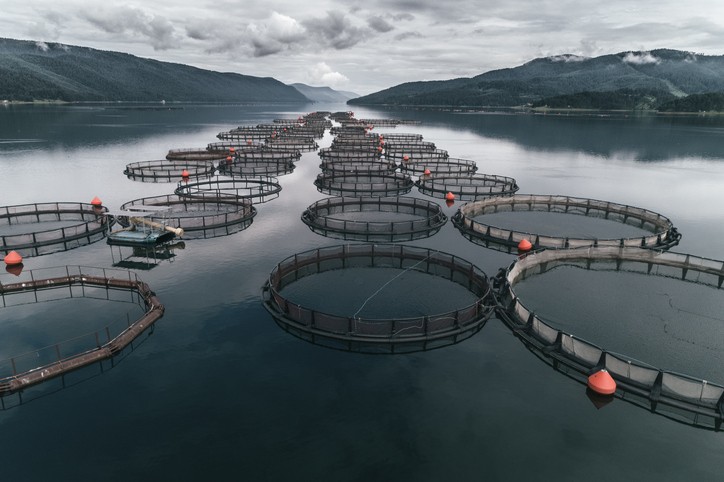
(168, 171)
(428, 330)
(438, 166)
(258, 190)
(376, 219)
(382, 184)
(195, 154)
(43, 228)
(469, 219)
(466, 187)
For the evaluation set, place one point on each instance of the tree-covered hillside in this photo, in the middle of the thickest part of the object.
(49, 71)
(668, 72)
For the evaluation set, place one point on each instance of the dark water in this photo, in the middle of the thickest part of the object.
(219, 392)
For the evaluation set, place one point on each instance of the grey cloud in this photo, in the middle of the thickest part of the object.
(263, 48)
(408, 35)
(336, 30)
(403, 16)
(380, 24)
(198, 32)
(121, 20)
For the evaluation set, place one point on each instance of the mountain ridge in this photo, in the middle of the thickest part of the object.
(670, 71)
(33, 70)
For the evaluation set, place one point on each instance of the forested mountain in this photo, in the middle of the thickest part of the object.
(50, 71)
(669, 73)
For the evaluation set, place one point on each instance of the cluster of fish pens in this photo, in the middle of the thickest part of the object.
(368, 176)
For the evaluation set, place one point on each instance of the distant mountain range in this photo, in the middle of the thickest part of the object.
(324, 94)
(50, 71)
(629, 79)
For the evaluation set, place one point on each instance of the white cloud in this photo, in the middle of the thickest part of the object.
(567, 58)
(322, 74)
(640, 58)
(42, 46)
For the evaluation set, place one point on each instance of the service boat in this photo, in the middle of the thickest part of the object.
(141, 231)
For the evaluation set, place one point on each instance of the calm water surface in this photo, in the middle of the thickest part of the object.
(219, 392)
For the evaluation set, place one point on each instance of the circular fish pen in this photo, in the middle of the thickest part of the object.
(663, 234)
(244, 168)
(381, 184)
(194, 154)
(413, 156)
(43, 228)
(362, 166)
(439, 167)
(414, 146)
(199, 216)
(391, 269)
(347, 154)
(292, 142)
(400, 137)
(37, 286)
(467, 187)
(258, 190)
(680, 397)
(168, 171)
(375, 219)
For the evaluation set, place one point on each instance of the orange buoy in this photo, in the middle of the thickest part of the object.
(405, 158)
(449, 203)
(184, 173)
(228, 159)
(426, 172)
(96, 201)
(602, 382)
(15, 269)
(379, 149)
(449, 196)
(525, 245)
(13, 258)
(231, 150)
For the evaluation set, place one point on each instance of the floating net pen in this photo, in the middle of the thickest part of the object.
(375, 219)
(168, 171)
(382, 184)
(467, 187)
(439, 167)
(470, 219)
(257, 190)
(379, 334)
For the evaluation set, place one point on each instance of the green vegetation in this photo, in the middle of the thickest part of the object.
(31, 71)
(622, 99)
(710, 102)
(628, 80)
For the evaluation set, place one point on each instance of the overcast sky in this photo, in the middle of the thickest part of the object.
(366, 46)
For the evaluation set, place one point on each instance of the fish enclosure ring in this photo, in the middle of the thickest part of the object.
(362, 166)
(194, 154)
(258, 189)
(373, 184)
(199, 216)
(70, 355)
(332, 217)
(664, 234)
(333, 153)
(256, 168)
(168, 171)
(414, 155)
(466, 187)
(440, 167)
(689, 399)
(389, 335)
(82, 224)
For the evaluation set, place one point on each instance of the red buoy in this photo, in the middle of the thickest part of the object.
(449, 203)
(96, 201)
(228, 159)
(426, 172)
(13, 258)
(449, 196)
(184, 173)
(602, 382)
(405, 158)
(231, 150)
(525, 245)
